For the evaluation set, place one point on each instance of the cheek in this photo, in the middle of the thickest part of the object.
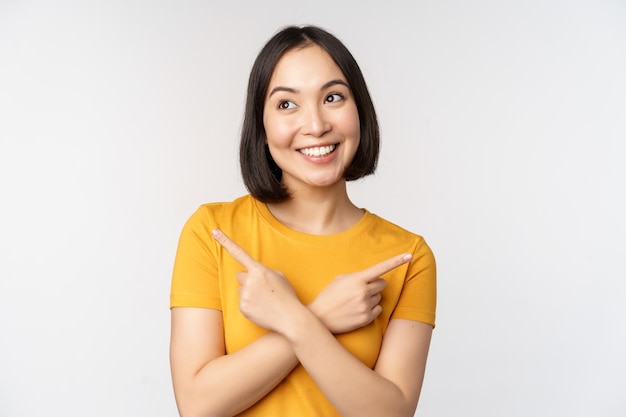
(352, 129)
(352, 125)
(277, 134)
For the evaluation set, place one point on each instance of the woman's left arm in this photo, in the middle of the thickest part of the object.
(391, 389)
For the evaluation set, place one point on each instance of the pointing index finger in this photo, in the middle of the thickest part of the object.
(235, 250)
(385, 266)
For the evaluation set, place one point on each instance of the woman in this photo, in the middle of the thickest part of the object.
(292, 301)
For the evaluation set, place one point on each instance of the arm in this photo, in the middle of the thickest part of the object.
(207, 382)
(391, 389)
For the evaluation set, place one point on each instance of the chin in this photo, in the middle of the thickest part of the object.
(327, 182)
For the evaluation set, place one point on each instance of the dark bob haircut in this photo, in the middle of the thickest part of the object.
(261, 175)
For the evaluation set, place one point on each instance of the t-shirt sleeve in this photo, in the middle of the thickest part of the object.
(418, 300)
(195, 280)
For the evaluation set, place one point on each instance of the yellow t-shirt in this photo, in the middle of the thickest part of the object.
(204, 276)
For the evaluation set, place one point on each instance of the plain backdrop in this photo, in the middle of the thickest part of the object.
(504, 130)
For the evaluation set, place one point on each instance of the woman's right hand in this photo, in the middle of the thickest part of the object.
(352, 300)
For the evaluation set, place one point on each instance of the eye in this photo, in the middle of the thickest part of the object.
(286, 104)
(333, 98)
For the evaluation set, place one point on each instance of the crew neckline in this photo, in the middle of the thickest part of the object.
(339, 237)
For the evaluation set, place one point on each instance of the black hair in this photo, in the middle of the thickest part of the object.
(261, 175)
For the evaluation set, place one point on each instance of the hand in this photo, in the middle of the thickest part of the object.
(265, 296)
(351, 301)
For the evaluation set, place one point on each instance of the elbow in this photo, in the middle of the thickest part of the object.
(191, 411)
(187, 409)
(404, 407)
(408, 410)
(194, 401)
(403, 412)
(196, 407)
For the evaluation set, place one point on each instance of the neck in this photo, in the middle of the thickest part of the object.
(320, 211)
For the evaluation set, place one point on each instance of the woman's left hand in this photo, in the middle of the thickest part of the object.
(265, 296)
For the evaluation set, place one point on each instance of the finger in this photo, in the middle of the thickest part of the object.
(235, 250)
(376, 311)
(376, 298)
(385, 266)
(241, 277)
(376, 285)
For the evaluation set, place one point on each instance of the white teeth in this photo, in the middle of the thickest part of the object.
(318, 151)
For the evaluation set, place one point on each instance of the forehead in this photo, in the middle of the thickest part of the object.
(302, 67)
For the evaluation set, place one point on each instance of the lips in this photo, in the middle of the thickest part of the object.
(318, 151)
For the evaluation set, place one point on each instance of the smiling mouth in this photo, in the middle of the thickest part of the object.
(318, 150)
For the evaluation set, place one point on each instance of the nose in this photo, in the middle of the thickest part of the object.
(315, 122)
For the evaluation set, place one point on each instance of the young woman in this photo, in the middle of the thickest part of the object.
(292, 301)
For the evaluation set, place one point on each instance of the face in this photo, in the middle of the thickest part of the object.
(311, 120)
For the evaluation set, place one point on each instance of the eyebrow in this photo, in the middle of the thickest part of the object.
(296, 91)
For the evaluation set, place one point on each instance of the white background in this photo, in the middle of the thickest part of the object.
(504, 129)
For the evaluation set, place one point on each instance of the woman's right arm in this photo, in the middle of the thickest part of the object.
(207, 382)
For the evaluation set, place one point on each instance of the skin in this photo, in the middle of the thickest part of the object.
(307, 106)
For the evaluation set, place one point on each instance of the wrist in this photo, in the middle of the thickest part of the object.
(315, 308)
(300, 323)
(319, 312)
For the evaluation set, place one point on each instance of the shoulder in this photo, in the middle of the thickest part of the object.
(389, 234)
(221, 215)
(217, 212)
(385, 229)
(196, 232)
